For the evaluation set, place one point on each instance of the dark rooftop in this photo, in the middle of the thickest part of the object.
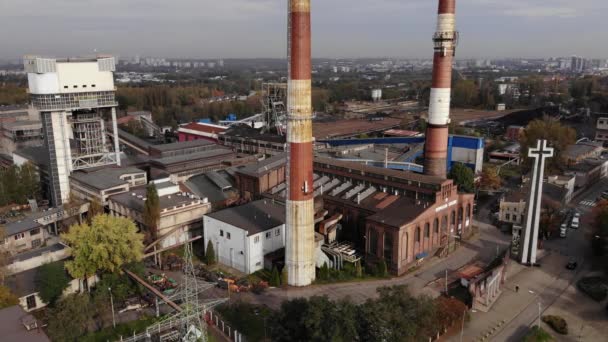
(246, 131)
(12, 328)
(104, 178)
(254, 217)
(39, 155)
(38, 252)
(217, 152)
(181, 145)
(264, 166)
(203, 186)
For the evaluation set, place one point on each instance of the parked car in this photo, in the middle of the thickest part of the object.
(571, 265)
(562, 231)
(575, 223)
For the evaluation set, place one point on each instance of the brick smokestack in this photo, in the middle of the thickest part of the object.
(445, 39)
(300, 234)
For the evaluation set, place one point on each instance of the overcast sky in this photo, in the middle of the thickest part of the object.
(257, 28)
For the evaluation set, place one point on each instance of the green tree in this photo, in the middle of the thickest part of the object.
(358, 269)
(284, 277)
(463, 177)
(70, 319)
(465, 93)
(104, 246)
(151, 214)
(275, 279)
(210, 254)
(52, 280)
(324, 272)
(382, 269)
(29, 181)
(490, 179)
(7, 298)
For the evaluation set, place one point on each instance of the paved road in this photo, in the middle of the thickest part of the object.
(482, 248)
(549, 284)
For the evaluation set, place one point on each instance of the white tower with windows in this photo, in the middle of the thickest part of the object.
(73, 95)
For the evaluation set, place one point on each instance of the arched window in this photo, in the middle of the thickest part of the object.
(436, 226)
(453, 221)
(460, 210)
(444, 223)
(417, 234)
(427, 230)
(373, 241)
(468, 211)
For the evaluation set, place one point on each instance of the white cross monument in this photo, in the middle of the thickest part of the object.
(527, 250)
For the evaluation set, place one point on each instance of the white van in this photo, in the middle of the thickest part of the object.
(575, 222)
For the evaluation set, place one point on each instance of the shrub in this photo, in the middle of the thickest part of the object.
(382, 271)
(275, 279)
(210, 254)
(537, 334)
(594, 287)
(557, 323)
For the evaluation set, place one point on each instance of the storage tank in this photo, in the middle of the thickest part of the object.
(376, 95)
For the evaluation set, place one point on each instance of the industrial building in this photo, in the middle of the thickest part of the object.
(73, 97)
(243, 235)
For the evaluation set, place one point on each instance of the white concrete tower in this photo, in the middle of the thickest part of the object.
(72, 96)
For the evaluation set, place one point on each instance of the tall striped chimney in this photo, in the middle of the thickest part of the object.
(300, 234)
(445, 39)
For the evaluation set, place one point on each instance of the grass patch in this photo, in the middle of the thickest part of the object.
(251, 320)
(122, 329)
(537, 334)
(594, 287)
(557, 323)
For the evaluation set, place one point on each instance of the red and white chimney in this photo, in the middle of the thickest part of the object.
(445, 39)
(300, 233)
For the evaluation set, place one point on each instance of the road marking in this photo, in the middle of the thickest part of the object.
(588, 203)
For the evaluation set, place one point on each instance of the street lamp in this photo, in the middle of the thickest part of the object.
(112, 304)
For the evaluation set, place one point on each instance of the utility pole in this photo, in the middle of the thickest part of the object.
(112, 304)
(446, 281)
(462, 329)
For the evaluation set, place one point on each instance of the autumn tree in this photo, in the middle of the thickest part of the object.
(105, 245)
(52, 280)
(95, 208)
(463, 177)
(151, 213)
(557, 135)
(7, 298)
(490, 179)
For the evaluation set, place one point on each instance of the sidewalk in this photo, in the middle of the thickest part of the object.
(512, 314)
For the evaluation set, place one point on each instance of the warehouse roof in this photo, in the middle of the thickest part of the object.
(264, 166)
(254, 217)
(105, 178)
(13, 326)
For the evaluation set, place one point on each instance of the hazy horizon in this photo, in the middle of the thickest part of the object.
(257, 28)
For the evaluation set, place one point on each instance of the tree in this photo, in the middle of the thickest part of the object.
(70, 319)
(95, 208)
(324, 272)
(51, 280)
(449, 311)
(382, 269)
(558, 136)
(106, 245)
(275, 279)
(284, 278)
(463, 177)
(210, 254)
(151, 214)
(7, 298)
(490, 179)
(466, 94)
(358, 269)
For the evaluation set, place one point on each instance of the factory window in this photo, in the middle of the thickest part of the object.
(228, 236)
(515, 209)
(259, 263)
(436, 226)
(92, 85)
(373, 241)
(75, 86)
(31, 302)
(468, 211)
(19, 236)
(256, 239)
(417, 235)
(221, 232)
(65, 87)
(268, 235)
(427, 230)
(35, 231)
(36, 243)
(508, 217)
(84, 85)
(277, 232)
(444, 223)
(388, 247)
(514, 218)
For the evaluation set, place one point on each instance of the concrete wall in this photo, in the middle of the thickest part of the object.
(21, 266)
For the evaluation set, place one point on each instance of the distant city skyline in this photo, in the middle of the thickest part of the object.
(257, 28)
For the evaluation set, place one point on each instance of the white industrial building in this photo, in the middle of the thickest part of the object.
(73, 96)
(243, 235)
